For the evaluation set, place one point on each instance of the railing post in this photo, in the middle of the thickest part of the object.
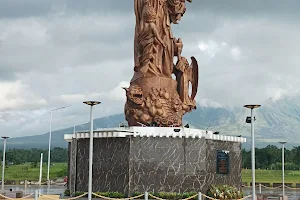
(199, 196)
(25, 187)
(36, 195)
(259, 187)
(146, 196)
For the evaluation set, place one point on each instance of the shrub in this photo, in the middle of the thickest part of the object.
(163, 195)
(224, 192)
(137, 193)
(111, 194)
(173, 195)
(67, 193)
(34, 165)
(75, 194)
(116, 195)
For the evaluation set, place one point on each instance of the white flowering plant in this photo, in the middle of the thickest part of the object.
(224, 192)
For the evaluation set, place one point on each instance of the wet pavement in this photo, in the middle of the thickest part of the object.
(31, 189)
(292, 194)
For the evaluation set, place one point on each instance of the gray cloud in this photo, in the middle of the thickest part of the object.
(25, 8)
(56, 52)
(246, 9)
(113, 6)
(67, 41)
(37, 8)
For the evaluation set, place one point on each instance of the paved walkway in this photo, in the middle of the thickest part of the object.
(45, 197)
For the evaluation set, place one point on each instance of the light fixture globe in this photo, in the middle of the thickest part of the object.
(91, 103)
(252, 106)
(282, 142)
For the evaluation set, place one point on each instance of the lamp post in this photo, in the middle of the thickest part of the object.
(49, 148)
(282, 168)
(41, 169)
(91, 103)
(253, 147)
(3, 161)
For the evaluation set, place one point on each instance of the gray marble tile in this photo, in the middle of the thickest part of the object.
(174, 164)
(110, 164)
(149, 164)
(73, 165)
(69, 163)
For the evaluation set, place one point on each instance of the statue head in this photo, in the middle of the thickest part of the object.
(135, 94)
(177, 104)
(149, 14)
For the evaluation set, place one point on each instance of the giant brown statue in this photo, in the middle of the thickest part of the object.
(154, 98)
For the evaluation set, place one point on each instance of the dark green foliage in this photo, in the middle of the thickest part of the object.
(270, 157)
(34, 165)
(63, 172)
(173, 195)
(19, 156)
(67, 193)
(79, 193)
(163, 195)
(111, 194)
(106, 194)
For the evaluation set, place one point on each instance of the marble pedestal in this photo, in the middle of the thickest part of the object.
(138, 159)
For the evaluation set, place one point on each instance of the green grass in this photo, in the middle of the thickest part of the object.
(271, 176)
(28, 172)
(59, 170)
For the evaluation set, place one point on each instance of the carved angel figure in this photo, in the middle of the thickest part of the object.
(185, 74)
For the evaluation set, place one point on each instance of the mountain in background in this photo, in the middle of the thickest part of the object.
(41, 141)
(275, 121)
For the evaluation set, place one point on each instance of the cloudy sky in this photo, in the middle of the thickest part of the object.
(59, 52)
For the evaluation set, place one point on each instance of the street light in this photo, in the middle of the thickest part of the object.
(282, 168)
(91, 103)
(3, 161)
(253, 146)
(49, 148)
(41, 169)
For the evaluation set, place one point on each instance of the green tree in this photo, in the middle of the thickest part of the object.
(19, 156)
(59, 155)
(296, 155)
(246, 159)
(34, 165)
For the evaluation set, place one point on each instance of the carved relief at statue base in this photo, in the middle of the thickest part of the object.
(154, 101)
